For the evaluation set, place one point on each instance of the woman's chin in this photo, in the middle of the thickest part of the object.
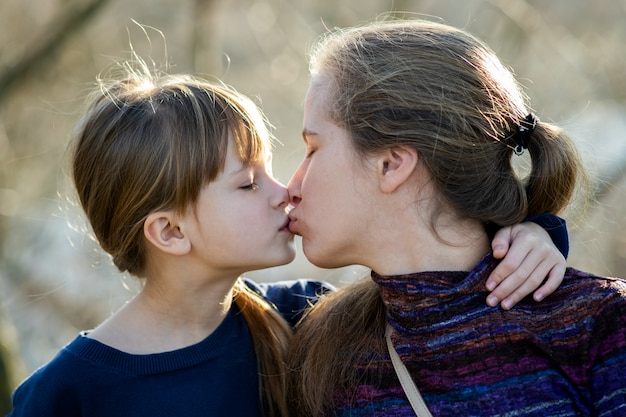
(324, 259)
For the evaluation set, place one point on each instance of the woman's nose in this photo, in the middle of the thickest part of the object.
(293, 186)
(294, 200)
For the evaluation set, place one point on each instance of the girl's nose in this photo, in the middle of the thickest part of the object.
(282, 198)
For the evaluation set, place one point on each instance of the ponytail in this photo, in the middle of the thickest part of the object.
(556, 170)
(270, 335)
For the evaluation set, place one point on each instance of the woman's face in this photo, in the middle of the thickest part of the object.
(329, 189)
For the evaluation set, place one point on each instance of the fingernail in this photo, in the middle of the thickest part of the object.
(538, 297)
(490, 285)
(492, 301)
(506, 304)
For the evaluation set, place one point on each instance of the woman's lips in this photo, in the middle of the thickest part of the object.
(293, 222)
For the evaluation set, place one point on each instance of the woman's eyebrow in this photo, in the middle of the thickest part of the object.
(306, 133)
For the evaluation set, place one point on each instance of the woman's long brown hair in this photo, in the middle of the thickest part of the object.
(336, 334)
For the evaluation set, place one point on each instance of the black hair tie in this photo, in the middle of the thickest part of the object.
(526, 128)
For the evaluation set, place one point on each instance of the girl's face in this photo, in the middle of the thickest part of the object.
(241, 221)
(329, 189)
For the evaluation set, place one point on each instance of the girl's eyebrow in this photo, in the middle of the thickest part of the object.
(237, 171)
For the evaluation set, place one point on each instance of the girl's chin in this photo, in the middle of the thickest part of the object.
(289, 257)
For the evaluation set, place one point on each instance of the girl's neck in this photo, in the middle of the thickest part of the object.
(163, 318)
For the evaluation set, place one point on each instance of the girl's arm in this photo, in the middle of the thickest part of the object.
(533, 255)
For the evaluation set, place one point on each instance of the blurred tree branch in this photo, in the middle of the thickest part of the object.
(5, 382)
(206, 42)
(69, 21)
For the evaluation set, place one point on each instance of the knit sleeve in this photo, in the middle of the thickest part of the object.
(607, 354)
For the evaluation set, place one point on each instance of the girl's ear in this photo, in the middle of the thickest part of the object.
(395, 166)
(162, 231)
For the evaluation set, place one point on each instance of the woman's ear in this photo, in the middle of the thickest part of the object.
(395, 166)
(162, 231)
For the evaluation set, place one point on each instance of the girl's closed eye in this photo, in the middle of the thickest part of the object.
(252, 186)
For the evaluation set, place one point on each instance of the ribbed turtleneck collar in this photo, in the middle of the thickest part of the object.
(421, 301)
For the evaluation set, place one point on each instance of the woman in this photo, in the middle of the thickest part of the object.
(409, 129)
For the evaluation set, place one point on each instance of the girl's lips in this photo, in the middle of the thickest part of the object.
(285, 227)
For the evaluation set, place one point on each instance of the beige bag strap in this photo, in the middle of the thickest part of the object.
(411, 391)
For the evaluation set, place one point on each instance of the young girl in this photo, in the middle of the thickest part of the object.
(174, 176)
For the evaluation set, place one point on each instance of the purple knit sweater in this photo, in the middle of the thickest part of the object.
(565, 356)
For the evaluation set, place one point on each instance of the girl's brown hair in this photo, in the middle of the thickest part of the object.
(150, 143)
(443, 92)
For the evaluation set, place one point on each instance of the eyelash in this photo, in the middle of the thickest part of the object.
(252, 186)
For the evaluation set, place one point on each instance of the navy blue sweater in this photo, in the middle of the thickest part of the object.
(215, 377)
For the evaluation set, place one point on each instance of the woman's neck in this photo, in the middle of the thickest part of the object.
(450, 245)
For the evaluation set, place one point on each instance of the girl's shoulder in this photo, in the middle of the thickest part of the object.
(42, 392)
(291, 298)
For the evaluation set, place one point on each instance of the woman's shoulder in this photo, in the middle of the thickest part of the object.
(592, 295)
(588, 281)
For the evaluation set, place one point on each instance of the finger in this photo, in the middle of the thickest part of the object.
(534, 280)
(511, 282)
(501, 242)
(521, 276)
(555, 278)
(505, 268)
(545, 278)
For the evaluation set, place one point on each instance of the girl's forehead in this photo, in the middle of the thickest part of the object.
(264, 158)
(264, 162)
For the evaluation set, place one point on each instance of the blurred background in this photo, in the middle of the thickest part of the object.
(54, 282)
